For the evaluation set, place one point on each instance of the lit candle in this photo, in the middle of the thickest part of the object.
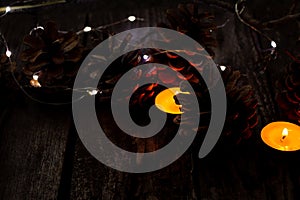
(283, 136)
(165, 100)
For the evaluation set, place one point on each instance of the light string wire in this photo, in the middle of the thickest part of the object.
(290, 16)
(239, 13)
(86, 90)
(94, 91)
(11, 7)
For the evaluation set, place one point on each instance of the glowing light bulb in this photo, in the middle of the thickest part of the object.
(8, 53)
(222, 67)
(8, 9)
(146, 57)
(273, 44)
(87, 29)
(132, 18)
(92, 92)
(39, 27)
(35, 77)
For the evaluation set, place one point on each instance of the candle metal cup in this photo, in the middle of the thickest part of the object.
(283, 136)
(165, 100)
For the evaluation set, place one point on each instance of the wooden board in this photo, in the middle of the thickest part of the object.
(41, 156)
(32, 147)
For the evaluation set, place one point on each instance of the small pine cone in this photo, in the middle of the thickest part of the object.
(188, 108)
(51, 53)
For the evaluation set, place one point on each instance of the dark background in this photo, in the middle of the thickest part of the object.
(41, 156)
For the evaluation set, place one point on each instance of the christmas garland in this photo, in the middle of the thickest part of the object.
(52, 58)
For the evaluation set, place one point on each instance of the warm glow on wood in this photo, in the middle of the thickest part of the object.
(165, 100)
(283, 136)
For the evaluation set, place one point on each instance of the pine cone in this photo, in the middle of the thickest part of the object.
(184, 99)
(289, 99)
(52, 53)
(199, 26)
(241, 115)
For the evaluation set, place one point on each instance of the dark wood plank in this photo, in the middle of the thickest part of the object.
(32, 145)
(93, 180)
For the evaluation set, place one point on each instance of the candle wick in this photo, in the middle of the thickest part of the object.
(283, 137)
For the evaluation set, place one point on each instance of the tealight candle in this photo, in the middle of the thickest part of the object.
(165, 100)
(282, 136)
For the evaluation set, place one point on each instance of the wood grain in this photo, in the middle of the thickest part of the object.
(41, 157)
(32, 146)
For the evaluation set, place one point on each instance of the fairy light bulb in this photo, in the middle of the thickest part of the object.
(39, 27)
(273, 44)
(8, 9)
(146, 57)
(132, 18)
(35, 77)
(222, 67)
(8, 53)
(87, 29)
(92, 92)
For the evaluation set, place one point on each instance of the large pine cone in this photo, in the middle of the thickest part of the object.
(289, 97)
(241, 115)
(51, 53)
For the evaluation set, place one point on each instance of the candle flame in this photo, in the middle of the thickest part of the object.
(285, 132)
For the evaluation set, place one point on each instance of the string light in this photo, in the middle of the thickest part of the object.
(34, 81)
(132, 18)
(273, 44)
(7, 9)
(87, 29)
(35, 77)
(36, 28)
(146, 57)
(8, 53)
(29, 5)
(99, 28)
(238, 14)
(222, 67)
(92, 92)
